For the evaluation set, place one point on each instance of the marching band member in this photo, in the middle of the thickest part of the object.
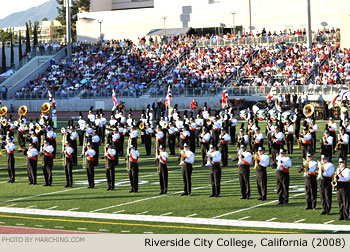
(187, 169)
(175, 115)
(326, 145)
(244, 158)
(113, 121)
(122, 132)
(34, 140)
(289, 137)
(216, 131)
(148, 139)
(332, 127)
(10, 149)
(347, 129)
(325, 187)
(160, 139)
(171, 138)
(343, 190)
(313, 131)
(95, 142)
(133, 169)
(284, 163)
(205, 113)
(310, 168)
(192, 130)
(242, 138)
(32, 156)
(48, 163)
(215, 171)
(51, 138)
(269, 131)
(115, 144)
(73, 137)
(111, 156)
(277, 144)
(134, 134)
(143, 120)
(68, 164)
(258, 139)
(21, 136)
(163, 170)
(233, 129)
(205, 145)
(343, 140)
(91, 117)
(90, 155)
(200, 124)
(88, 129)
(305, 142)
(261, 175)
(224, 139)
(183, 139)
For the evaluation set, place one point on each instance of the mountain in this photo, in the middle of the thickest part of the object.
(47, 9)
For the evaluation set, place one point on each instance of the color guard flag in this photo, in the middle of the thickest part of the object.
(115, 102)
(52, 100)
(224, 99)
(168, 98)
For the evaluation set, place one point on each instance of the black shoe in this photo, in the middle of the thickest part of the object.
(264, 198)
(242, 197)
(280, 203)
(323, 213)
(46, 185)
(183, 194)
(108, 189)
(89, 187)
(30, 183)
(341, 218)
(307, 208)
(248, 198)
(66, 186)
(259, 198)
(212, 195)
(160, 193)
(346, 218)
(328, 213)
(10, 181)
(131, 191)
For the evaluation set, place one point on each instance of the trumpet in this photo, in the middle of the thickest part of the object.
(306, 167)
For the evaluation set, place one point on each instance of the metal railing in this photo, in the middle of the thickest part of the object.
(266, 40)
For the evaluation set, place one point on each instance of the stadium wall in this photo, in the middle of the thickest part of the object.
(274, 15)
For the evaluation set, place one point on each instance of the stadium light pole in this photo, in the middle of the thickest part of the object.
(250, 17)
(309, 32)
(164, 18)
(100, 21)
(234, 26)
(68, 26)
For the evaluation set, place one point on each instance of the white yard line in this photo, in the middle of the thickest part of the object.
(2, 222)
(120, 211)
(59, 227)
(143, 212)
(191, 215)
(38, 225)
(252, 207)
(72, 209)
(19, 224)
(31, 206)
(53, 207)
(148, 232)
(173, 219)
(124, 231)
(298, 221)
(243, 218)
(81, 228)
(165, 214)
(328, 222)
(11, 205)
(103, 230)
(272, 219)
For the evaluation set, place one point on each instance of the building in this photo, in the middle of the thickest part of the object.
(134, 18)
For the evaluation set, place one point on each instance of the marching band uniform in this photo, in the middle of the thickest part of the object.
(95, 140)
(332, 129)
(187, 170)
(48, 163)
(348, 132)
(184, 136)
(73, 142)
(148, 139)
(310, 183)
(313, 131)
(327, 145)
(90, 155)
(192, 139)
(305, 142)
(344, 142)
(21, 137)
(216, 132)
(82, 126)
(343, 192)
(163, 170)
(122, 132)
(115, 144)
(110, 155)
(68, 167)
(325, 186)
(160, 139)
(10, 149)
(51, 138)
(258, 139)
(282, 177)
(268, 132)
(233, 130)
(133, 169)
(91, 118)
(32, 156)
(205, 146)
(244, 160)
(215, 172)
(224, 139)
(134, 134)
(172, 139)
(200, 124)
(290, 137)
(277, 144)
(261, 175)
(242, 139)
(34, 141)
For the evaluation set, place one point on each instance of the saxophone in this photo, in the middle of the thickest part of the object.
(306, 167)
(337, 146)
(320, 169)
(182, 159)
(256, 159)
(334, 180)
(299, 142)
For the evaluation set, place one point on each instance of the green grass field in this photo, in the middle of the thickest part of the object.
(148, 202)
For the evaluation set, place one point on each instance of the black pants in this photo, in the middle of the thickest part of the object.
(186, 176)
(343, 151)
(90, 171)
(115, 147)
(81, 138)
(163, 177)
(171, 142)
(11, 166)
(96, 148)
(243, 175)
(274, 153)
(233, 134)
(205, 148)
(326, 194)
(68, 168)
(110, 173)
(311, 191)
(148, 144)
(192, 141)
(282, 179)
(332, 134)
(261, 181)
(305, 148)
(313, 142)
(134, 176)
(31, 170)
(290, 142)
(215, 179)
(121, 145)
(47, 170)
(75, 152)
(224, 153)
(343, 193)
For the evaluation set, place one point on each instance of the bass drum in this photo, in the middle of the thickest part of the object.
(261, 114)
(288, 115)
(258, 106)
(243, 114)
(274, 114)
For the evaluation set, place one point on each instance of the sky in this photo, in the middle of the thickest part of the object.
(12, 6)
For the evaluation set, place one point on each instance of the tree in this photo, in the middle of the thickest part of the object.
(35, 39)
(20, 54)
(44, 19)
(3, 57)
(83, 5)
(12, 59)
(27, 39)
